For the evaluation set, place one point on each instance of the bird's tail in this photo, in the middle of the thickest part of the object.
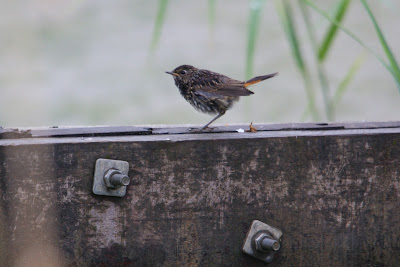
(259, 79)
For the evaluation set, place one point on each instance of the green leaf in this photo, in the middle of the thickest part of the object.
(355, 38)
(286, 17)
(344, 84)
(254, 22)
(332, 30)
(392, 60)
(211, 13)
(320, 69)
(162, 10)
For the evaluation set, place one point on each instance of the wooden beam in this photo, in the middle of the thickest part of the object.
(333, 190)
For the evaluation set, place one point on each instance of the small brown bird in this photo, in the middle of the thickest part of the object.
(211, 92)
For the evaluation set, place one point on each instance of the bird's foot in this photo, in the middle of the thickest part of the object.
(199, 130)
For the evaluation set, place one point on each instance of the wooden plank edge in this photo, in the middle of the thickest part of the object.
(94, 131)
(170, 138)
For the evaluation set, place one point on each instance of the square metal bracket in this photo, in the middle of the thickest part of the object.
(99, 183)
(249, 245)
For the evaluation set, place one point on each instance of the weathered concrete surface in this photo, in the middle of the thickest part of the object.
(335, 194)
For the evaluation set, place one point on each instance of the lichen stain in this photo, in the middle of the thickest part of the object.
(329, 194)
(188, 243)
(370, 160)
(335, 195)
(107, 224)
(70, 193)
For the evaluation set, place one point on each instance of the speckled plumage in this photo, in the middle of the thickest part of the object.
(211, 92)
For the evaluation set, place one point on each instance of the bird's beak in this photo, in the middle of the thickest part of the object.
(171, 73)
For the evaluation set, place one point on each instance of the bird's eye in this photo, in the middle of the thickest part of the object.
(183, 72)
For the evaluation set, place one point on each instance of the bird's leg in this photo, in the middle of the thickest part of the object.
(216, 117)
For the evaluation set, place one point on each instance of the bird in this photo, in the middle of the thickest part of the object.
(211, 92)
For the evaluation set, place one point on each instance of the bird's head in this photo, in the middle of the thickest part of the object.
(182, 73)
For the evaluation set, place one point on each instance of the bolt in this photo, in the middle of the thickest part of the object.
(119, 179)
(264, 243)
(270, 244)
(114, 178)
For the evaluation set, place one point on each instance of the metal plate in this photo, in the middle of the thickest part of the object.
(248, 245)
(102, 165)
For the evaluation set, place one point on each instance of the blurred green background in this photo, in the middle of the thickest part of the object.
(102, 62)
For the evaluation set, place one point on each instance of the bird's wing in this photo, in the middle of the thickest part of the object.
(217, 84)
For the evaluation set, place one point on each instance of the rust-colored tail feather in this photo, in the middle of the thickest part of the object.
(259, 79)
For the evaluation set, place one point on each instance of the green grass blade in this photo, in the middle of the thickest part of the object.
(211, 13)
(384, 44)
(344, 84)
(162, 10)
(254, 22)
(286, 16)
(332, 30)
(355, 38)
(320, 69)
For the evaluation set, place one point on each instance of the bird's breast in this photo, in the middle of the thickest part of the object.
(184, 89)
